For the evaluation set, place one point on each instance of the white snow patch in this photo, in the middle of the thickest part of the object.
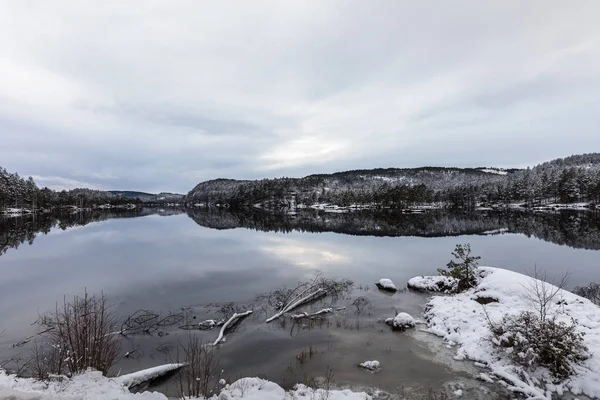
(494, 171)
(149, 374)
(401, 321)
(370, 365)
(92, 385)
(387, 284)
(462, 321)
(87, 386)
(433, 283)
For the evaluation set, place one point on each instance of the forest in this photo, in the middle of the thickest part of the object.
(20, 193)
(566, 180)
(574, 179)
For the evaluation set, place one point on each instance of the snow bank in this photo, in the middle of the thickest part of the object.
(401, 321)
(88, 386)
(370, 365)
(461, 321)
(386, 284)
(443, 284)
(93, 386)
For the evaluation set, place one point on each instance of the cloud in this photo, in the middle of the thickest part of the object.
(60, 183)
(158, 96)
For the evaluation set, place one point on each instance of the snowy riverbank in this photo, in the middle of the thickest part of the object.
(93, 386)
(462, 322)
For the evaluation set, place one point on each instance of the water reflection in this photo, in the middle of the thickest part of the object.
(571, 228)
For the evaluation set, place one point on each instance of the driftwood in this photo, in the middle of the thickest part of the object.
(231, 322)
(307, 315)
(298, 301)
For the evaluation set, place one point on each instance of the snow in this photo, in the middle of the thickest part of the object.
(496, 231)
(387, 284)
(307, 315)
(401, 321)
(463, 322)
(149, 374)
(88, 386)
(370, 365)
(432, 283)
(92, 385)
(494, 171)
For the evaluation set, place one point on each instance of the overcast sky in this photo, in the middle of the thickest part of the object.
(160, 95)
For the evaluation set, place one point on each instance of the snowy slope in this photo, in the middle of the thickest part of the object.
(462, 321)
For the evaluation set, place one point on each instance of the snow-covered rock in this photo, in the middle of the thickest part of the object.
(401, 321)
(444, 284)
(462, 321)
(386, 284)
(372, 366)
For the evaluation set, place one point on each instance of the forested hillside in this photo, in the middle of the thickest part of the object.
(568, 180)
(20, 193)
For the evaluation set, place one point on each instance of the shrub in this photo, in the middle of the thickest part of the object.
(79, 335)
(464, 269)
(202, 367)
(534, 342)
(590, 292)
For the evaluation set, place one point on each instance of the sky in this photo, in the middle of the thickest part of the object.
(161, 95)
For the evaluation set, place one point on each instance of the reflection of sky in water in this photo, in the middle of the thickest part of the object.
(164, 263)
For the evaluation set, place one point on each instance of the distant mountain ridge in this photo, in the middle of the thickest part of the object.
(570, 179)
(147, 197)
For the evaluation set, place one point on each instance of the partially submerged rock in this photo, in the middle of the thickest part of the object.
(372, 366)
(437, 283)
(401, 322)
(386, 284)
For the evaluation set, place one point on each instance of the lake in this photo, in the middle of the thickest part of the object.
(190, 263)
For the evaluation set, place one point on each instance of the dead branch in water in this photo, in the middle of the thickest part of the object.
(230, 323)
(285, 300)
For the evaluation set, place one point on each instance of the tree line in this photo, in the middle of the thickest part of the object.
(18, 192)
(568, 180)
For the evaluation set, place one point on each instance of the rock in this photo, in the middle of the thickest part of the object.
(372, 366)
(402, 321)
(386, 284)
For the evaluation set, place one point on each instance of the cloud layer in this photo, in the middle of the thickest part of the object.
(159, 95)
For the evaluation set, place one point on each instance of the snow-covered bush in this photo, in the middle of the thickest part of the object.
(534, 342)
(464, 269)
(590, 292)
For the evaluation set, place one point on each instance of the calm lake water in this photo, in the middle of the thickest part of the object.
(169, 261)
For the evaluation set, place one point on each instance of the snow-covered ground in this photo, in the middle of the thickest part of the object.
(433, 283)
(462, 321)
(93, 386)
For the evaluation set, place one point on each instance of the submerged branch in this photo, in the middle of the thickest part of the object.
(234, 318)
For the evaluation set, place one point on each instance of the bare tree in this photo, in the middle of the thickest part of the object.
(543, 295)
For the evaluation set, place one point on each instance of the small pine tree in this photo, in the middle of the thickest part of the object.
(463, 269)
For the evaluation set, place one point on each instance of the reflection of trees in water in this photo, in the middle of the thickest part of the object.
(574, 229)
(17, 230)
(570, 228)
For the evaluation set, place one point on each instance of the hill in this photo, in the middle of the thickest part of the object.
(567, 180)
